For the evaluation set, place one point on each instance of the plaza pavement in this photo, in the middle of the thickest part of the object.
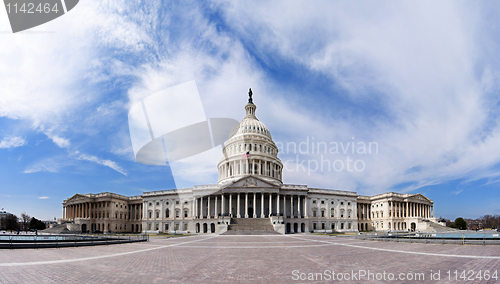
(231, 259)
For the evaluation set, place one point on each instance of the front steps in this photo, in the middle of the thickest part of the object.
(250, 226)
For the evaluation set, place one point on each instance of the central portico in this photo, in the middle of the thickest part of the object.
(252, 197)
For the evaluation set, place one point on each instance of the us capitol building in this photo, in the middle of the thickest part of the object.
(250, 195)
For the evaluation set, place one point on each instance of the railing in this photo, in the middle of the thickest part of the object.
(63, 240)
(433, 238)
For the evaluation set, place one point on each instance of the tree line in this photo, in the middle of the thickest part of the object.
(486, 221)
(12, 223)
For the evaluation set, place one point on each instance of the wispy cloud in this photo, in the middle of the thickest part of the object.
(60, 141)
(12, 142)
(50, 165)
(43, 197)
(104, 162)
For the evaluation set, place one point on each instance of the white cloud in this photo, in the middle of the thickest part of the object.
(43, 197)
(50, 165)
(59, 141)
(426, 66)
(12, 142)
(104, 162)
(423, 64)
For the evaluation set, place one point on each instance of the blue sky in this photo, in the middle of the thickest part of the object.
(419, 79)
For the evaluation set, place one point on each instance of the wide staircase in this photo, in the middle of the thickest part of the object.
(250, 226)
(440, 228)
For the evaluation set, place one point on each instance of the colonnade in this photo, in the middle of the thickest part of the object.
(99, 210)
(250, 166)
(415, 209)
(250, 205)
(396, 209)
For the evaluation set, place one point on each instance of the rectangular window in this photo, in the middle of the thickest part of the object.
(314, 226)
(185, 227)
(341, 226)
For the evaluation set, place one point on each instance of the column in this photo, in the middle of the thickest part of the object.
(193, 207)
(291, 206)
(262, 205)
(231, 205)
(254, 205)
(278, 204)
(222, 209)
(216, 207)
(265, 168)
(298, 206)
(208, 208)
(202, 215)
(144, 211)
(196, 212)
(246, 204)
(238, 207)
(305, 207)
(270, 204)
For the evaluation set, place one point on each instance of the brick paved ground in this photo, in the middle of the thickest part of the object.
(267, 258)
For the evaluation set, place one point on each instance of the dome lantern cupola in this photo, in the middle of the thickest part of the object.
(250, 107)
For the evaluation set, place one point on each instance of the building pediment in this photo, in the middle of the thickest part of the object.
(76, 197)
(250, 183)
(420, 197)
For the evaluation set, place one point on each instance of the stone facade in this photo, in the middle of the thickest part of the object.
(250, 186)
(105, 212)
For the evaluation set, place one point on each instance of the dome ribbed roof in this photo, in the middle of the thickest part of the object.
(250, 125)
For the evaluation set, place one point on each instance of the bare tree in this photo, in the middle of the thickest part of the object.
(25, 221)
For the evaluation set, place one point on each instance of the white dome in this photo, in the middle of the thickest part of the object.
(250, 150)
(250, 125)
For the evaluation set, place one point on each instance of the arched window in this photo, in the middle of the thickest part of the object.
(167, 213)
